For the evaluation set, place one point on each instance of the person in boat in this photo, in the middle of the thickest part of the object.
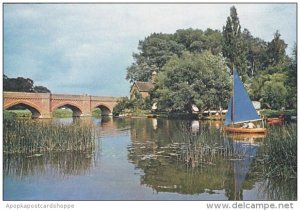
(251, 125)
(248, 125)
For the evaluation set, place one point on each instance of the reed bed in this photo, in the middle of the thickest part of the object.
(280, 189)
(280, 152)
(198, 148)
(31, 136)
(185, 147)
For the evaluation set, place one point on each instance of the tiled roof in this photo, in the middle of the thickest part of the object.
(144, 86)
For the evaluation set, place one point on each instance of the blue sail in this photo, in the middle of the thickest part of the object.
(243, 109)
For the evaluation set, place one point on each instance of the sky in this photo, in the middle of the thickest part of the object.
(86, 48)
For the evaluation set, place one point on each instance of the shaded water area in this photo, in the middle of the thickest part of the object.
(147, 159)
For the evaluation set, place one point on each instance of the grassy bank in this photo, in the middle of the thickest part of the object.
(17, 114)
(58, 113)
(62, 113)
(31, 136)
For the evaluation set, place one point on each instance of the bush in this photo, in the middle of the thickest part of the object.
(7, 115)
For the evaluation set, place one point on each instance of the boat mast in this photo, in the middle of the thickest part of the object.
(232, 99)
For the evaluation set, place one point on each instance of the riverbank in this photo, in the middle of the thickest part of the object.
(58, 113)
(289, 115)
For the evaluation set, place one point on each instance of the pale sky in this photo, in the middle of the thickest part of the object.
(86, 48)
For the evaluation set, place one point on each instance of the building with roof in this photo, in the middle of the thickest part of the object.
(142, 87)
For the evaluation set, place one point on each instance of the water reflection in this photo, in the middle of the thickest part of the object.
(195, 126)
(154, 123)
(191, 158)
(67, 121)
(59, 164)
(82, 120)
(240, 167)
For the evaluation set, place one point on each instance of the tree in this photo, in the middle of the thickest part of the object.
(155, 51)
(233, 45)
(21, 84)
(291, 82)
(271, 90)
(255, 53)
(200, 79)
(274, 94)
(123, 104)
(140, 103)
(41, 89)
(276, 50)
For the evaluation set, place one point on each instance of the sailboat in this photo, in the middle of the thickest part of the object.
(241, 110)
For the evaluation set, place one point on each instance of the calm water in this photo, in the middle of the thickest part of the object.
(147, 159)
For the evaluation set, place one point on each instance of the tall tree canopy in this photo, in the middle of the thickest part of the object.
(21, 84)
(200, 79)
(276, 50)
(157, 49)
(233, 46)
(183, 63)
(291, 82)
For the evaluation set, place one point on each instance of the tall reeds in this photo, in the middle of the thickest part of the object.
(202, 147)
(31, 136)
(280, 152)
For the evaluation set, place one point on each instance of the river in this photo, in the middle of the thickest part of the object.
(146, 159)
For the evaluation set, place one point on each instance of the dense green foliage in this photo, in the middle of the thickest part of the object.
(13, 114)
(21, 84)
(157, 49)
(96, 112)
(9, 115)
(134, 105)
(193, 79)
(62, 113)
(268, 73)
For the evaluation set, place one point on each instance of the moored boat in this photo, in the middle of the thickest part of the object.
(244, 130)
(275, 120)
(245, 136)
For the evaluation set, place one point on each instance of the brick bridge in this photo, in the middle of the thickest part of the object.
(42, 105)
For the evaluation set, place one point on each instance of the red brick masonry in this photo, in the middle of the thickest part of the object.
(43, 104)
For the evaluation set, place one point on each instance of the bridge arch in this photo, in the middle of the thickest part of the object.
(105, 110)
(77, 112)
(35, 111)
(43, 104)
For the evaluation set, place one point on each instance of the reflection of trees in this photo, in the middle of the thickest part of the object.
(177, 157)
(67, 163)
(177, 178)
